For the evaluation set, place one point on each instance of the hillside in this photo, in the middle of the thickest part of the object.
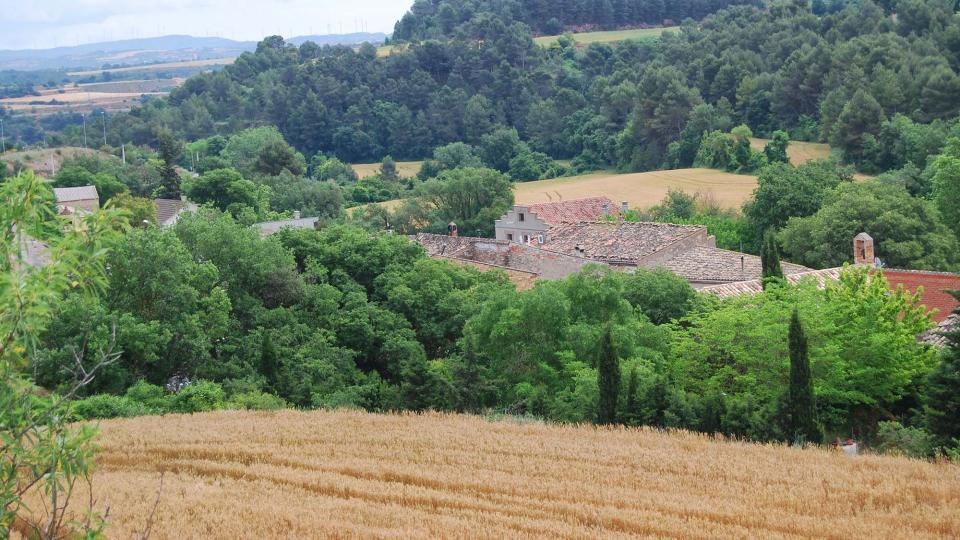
(311, 474)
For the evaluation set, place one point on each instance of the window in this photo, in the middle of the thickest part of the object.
(509, 236)
(539, 238)
(526, 239)
(521, 216)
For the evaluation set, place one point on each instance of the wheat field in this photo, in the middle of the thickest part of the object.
(641, 190)
(292, 474)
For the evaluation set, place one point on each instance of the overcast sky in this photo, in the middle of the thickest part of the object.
(42, 24)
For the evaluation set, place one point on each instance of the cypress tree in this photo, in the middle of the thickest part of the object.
(269, 361)
(608, 379)
(801, 407)
(942, 401)
(770, 259)
(631, 414)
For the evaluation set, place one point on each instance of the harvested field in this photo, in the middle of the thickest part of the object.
(317, 474)
(641, 190)
(607, 37)
(47, 160)
(405, 168)
(168, 66)
(799, 152)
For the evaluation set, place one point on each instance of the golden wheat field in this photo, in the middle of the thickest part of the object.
(641, 190)
(292, 474)
(406, 169)
(799, 152)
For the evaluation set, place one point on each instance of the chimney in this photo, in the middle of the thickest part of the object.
(863, 249)
(452, 229)
(624, 206)
(606, 209)
(296, 214)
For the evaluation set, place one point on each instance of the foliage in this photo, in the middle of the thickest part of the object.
(942, 402)
(946, 184)
(801, 409)
(771, 270)
(42, 455)
(784, 191)
(776, 149)
(897, 439)
(139, 210)
(608, 379)
(108, 186)
(472, 198)
(908, 230)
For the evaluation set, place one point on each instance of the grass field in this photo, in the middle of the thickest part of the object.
(641, 190)
(351, 474)
(799, 152)
(607, 37)
(156, 67)
(46, 160)
(405, 168)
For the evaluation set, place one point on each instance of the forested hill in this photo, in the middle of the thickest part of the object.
(432, 19)
(882, 88)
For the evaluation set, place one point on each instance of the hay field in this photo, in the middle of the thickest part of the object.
(156, 67)
(405, 168)
(47, 160)
(611, 36)
(799, 152)
(641, 190)
(319, 474)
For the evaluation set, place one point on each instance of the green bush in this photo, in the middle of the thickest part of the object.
(894, 438)
(256, 401)
(151, 396)
(198, 397)
(106, 406)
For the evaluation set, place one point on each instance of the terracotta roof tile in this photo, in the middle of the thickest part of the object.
(755, 286)
(937, 336)
(573, 211)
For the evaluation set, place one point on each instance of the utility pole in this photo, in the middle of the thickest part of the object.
(3, 140)
(123, 153)
(103, 116)
(84, 117)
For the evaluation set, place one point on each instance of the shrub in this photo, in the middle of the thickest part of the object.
(198, 397)
(150, 396)
(894, 438)
(106, 406)
(256, 401)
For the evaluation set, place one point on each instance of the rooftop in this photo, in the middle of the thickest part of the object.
(167, 209)
(936, 336)
(572, 211)
(72, 194)
(269, 227)
(706, 264)
(614, 242)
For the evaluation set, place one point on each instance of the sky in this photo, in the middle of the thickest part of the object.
(43, 24)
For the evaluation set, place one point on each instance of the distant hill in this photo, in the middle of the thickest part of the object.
(174, 48)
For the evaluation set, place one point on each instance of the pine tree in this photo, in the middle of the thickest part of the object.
(942, 401)
(770, 259)
(608, 379)
(631, 414)
(801, 407)
(170, 150)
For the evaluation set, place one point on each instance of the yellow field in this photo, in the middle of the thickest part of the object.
(405, 168)
(156, 67)
(641, 190)
(350, 474)
(45, 161)
(607, 37)
(799, 152)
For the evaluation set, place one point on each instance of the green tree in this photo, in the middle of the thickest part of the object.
(860, 116)
(500, 146)
(108, 186)
(170, 149)
(472, 198)
(44, 457)
(388, 170)
(802, 412)
(771, 270)
(139, 211)
(608, 379)
(776, 149)
(942, 397)
(269, 361)
(223, 188)
(784, 192)
(946, 184)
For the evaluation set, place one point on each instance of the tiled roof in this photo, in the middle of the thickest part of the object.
(573, 211)
(704, 264)
(167, 209)
(72, 194)
(936, 336)
(269, 227)
(935, 285)
(501, 253)
(755, 286)
(623, 242)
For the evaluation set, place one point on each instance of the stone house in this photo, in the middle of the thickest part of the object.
(528, 223)
(76, 200)
(170, 210)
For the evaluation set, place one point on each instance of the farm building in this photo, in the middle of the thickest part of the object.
(73, 200)
(528, 223)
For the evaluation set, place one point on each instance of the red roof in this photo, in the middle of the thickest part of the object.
(573, 211)
(935, 285)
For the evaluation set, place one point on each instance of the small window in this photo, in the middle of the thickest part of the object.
(521, 216)
(509, 236)
(539, 238)
(526, 239)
